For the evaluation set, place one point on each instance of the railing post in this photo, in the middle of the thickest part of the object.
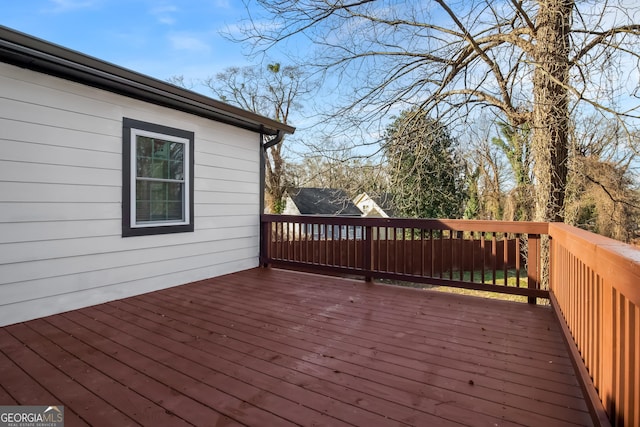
(367, 253)
(265, 242)
(533, 264)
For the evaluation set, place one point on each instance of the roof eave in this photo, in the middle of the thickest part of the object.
(29, 52)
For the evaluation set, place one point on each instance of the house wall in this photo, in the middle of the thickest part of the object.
(290, 208)
(60, 199)
(369, 207)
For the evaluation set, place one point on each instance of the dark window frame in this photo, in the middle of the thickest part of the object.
(129, 227)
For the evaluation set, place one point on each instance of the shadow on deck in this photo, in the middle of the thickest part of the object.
(268, 347)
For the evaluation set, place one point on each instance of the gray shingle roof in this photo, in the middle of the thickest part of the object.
(323, 201)
(385, 201)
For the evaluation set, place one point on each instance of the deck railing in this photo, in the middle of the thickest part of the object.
(595, 288)
(484, 255)
(594, 282)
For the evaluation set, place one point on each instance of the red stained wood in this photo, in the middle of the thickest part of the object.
(272, 347)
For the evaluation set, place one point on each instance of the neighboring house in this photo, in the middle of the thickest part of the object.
(113, 183)
(324, 202)
(380, 206)
(319, 201)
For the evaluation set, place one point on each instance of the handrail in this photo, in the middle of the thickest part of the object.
(595, 291)
(457, 253)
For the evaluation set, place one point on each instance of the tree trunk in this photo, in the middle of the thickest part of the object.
(551, 107)
(274, 179)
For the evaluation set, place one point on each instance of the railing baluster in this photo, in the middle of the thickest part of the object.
(432, 263)
(388, 249)
(330, 249)
(450, 255)
(339, 258)
(367, 252)
(279, 238)
(413, 252)
(421, 252)
(483, 239)
(440, 251)
(296, 227)
(290, 227)
(306, 244)
(404, 251)
(533, 253)
(494, 257)
(473, 257)
(517, 254)
(396, 246)
(505, 258)
(460, 236)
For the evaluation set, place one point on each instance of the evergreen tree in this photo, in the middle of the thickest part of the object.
(426, 175)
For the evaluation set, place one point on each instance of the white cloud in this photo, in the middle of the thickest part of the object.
(188, 42)
(59, 6)
(164, 14)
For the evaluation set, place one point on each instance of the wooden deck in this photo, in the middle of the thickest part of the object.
(268, 347)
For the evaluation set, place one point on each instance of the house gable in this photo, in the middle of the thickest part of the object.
(376, 206)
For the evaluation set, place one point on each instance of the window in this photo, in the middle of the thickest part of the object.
(157, 183)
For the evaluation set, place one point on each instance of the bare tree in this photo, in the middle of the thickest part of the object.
(337, 166)
(273, 91)
(532, 62)
(601, 195)
(491, 179)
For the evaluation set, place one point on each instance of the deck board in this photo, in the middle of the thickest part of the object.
(273, 347)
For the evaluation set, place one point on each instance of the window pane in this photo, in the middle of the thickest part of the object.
(143, 156)
(143, 148)
(159, 201)
(174, 210)
(176, 165)
(160, 165)
(159, 159)
(176, 170)
(143, 210)
(177, 151)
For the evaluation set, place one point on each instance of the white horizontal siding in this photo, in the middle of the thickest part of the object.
(42, 191)
(92, 244)
(38, 231)
(113, 271)
(225, 186)
(57, 137)
(60, 199)
(21, 172)
(225, 173)
(57, 303)
(12, 212)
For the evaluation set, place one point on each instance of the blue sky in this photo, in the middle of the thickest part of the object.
(160, 38)
(155, 37)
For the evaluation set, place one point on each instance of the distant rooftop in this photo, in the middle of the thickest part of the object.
(323, 201)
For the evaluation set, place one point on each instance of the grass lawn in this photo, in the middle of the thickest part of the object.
(477, 278)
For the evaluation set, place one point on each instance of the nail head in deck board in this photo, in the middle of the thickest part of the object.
(291, 331)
